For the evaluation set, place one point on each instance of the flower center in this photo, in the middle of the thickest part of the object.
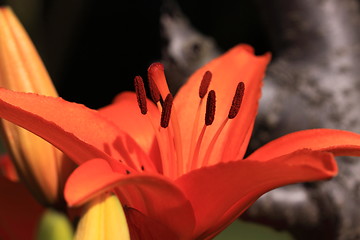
(168, 133)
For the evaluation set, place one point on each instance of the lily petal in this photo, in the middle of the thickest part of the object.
(104, 219)
(21, 69)
(144, 227)
(152, 195)
(125, 114)
(231, 187)
(78, 131)
(338, 142)
(21, 66)
(238, 64)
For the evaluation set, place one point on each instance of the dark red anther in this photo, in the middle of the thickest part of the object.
(205, 82)
(140, 94)
(236, 103)
(210, 108)
(166, 111)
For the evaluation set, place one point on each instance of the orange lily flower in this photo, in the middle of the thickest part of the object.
(40, 166)
(178, 176)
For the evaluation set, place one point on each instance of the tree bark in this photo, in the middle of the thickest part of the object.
(314, 81)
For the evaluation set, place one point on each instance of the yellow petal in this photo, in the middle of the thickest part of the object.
(21, 66)
(37, 162)
(104, 219)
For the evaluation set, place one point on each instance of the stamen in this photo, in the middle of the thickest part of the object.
(195, 163)
(204, 85)
(210, 108)
(163, 147)
(140, 94)
(154, 91)
(209, 118)
(205, 82)
(166, 111)
(127, 172)
(236, 103)
(212, 143)
(234, 110)
(156, 72)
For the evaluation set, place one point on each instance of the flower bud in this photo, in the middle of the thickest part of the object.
(39, 165)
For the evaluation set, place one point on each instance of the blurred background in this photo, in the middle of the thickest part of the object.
(93, 49)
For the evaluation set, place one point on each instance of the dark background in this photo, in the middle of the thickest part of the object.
(93, 49)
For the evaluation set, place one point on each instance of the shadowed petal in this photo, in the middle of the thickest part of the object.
(144, 227)
(125, 114)
(338, 142)
(238, 64)
(152, 195)
(220, 193)
(78, 131)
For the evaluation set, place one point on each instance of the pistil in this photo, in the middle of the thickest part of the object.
(156, 73)
(142, 102)
(154, 91)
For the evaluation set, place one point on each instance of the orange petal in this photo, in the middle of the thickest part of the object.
(144, 227)
(338, 142)
(220, 193)
(152, 195)
(20, 213)
(79, 132)
(125, 114)
(238, 64)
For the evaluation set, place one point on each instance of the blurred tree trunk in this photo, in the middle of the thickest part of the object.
(314, 81)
